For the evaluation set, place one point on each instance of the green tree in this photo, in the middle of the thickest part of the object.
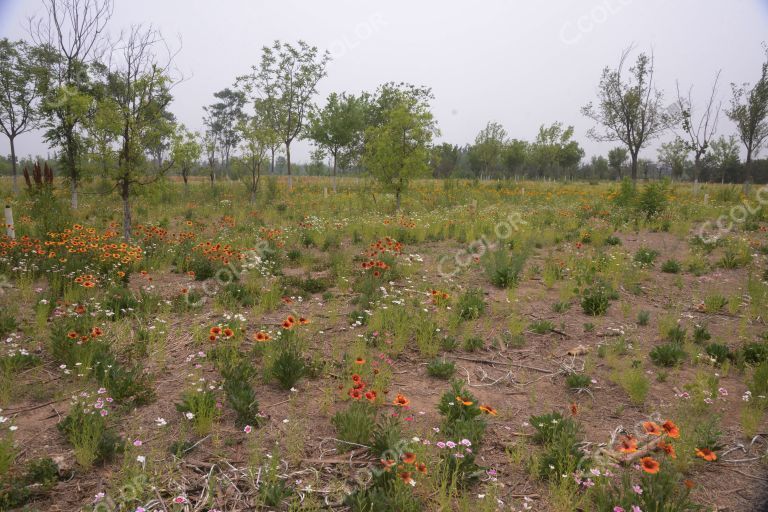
(554, 151)
(223, 119)
(724, 157)
(140, 87)
(398, 150)
(19, 94)
(286, 79)
(488, 149)
(338, 128)
(185, 152)
(617, 157)
(749, 111)
(257, 137)
(514, 155)
(629, 110)
(68, 36)
(444, 159)
(675, 155)
(103, 129)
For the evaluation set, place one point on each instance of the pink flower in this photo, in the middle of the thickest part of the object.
(247, 429)
(137, 442)
(179, 499)
(104, 412)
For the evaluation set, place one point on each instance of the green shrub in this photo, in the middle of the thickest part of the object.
(701, 334)
(645, 256)
(502, 268)
(671, 266)
(355, 424)
(471, 304)
(718, 352)
(199, 407)
(473, 344)
(288, 367)
(595, 299)
(541, 326)
(87, 431)
(643, 317)
(667, 355)
(240, 395)
(755, 353)
(441, 369)
(578, 381)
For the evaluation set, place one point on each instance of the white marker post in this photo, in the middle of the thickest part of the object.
(9, 230)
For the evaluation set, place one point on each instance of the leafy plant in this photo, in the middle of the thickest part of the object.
(671, 266)
(645, 256)
(355, 424)
(471, 304)
(441, 369)
(668, 354)
(578, 381)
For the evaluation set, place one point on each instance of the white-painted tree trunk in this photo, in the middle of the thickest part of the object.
(10, 230)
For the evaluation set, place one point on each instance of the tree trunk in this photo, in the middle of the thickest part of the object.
(13, 166)
(272, 164)
(73, 189)
(186, 182)
(748, 172)
(334, 174)
(288, 165)
(634, 166)
(397, 200)
(125, 194)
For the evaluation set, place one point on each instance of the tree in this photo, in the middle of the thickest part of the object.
(598, 167)
(514, 155)
(208, 143)
(629, 111)
(103, 129)
(698, 132)
(287, 80)
(223, 119)
(140, 87)
(338, 128)
(444, 160)
(554, 151)
(675, 155)
(69, 36)
(724, 157)
(257, 136)
(617, 157)
(749, 111)
(185, 151)
(398, 150)
(488, 148)
(19, 94)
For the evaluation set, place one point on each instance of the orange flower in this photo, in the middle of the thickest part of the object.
(287, 300)
(464, 402)
(355, 394)
(668, 449)
(487, 409)
(421, 468)
(407, 478)
(89, 284)
(212, 337)
(72, 335)
(359, 360)
(370, 395)
(650, 465)
(356, 378)
(690, 484)
(628, 445)
(303, 321)
(408, 457)
(229, 332)
(262, 336)
(287, 325)
(574, 409)
(706, 454)
(215, 330)
(671, 429)
(651, 428)
(96, 332)
(401, 401)
(387, 463)
(80, 309)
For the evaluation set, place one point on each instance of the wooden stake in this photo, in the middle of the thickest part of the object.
(9, 230)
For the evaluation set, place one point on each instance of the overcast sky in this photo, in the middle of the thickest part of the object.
(518, 62)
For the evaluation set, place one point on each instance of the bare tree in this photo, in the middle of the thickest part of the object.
(749, 110)
(699, 132)
(629, 110)
(70, 35)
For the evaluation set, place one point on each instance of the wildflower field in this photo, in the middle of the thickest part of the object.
(491, 345)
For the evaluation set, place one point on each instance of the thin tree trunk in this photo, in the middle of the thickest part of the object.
(397, 201)
(13, 166)
(272, 164)
(334, 174)
(634, 166)
(73, 189)
(288, 165)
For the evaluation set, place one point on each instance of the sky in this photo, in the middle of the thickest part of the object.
(522, 63)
